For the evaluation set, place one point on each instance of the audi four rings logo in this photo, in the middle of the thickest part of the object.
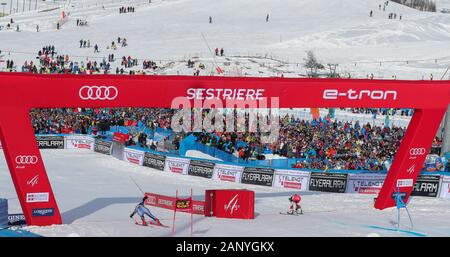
(417, 151)
(26, 159)
(98, 93)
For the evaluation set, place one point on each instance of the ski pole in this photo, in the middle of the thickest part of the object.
(137, 185)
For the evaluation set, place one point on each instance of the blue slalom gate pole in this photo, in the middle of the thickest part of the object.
(401, 204)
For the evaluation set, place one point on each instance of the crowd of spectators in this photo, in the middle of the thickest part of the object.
(85, 43)
(85, 120)
(127, 9)
(129, 62)
(383, 111)
(147, 64)
(318, 144)
(50, 62)
(339, 145)
(82, 22)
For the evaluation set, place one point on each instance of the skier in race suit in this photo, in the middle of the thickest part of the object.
(141, 210)
(295, 200)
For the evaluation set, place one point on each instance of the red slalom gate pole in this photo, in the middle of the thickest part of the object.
(192, 213)
(174, 214)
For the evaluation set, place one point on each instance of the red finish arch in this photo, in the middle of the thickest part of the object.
(21, 92)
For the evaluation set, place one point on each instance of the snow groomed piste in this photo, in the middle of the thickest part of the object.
(96, 196)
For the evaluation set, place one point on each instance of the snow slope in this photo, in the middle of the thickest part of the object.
(171, 30)
(198, 154)
(96, 196)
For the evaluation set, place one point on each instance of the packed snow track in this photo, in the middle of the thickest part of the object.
(96, 196)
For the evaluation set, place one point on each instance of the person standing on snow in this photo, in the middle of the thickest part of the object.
(141, 210)
(295, 200)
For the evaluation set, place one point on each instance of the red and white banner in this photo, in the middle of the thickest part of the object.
(1, 145)
(77, 142)
(177, 165)
(168, 202)
(133, 156)
(292, 179)
(365, 183)
(445, 187)
(229, 173)
(120, 137)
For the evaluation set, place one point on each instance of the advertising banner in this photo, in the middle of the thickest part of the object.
(133, 156)
(291, 179)
(445, 187)
(177, 165)
(365, 183)
(328, 182)
(229, 173)
(50, 142)
(201, 168)
(77, 142)
(103, 146)
(426, 185)
(16, 219)
(120, 137)
(167, 202)
(257, 176)
(154, 161)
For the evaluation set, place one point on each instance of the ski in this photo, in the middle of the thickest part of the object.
(293, 214)
(140, 224)
(151, 223)
(321, 211)
(156, 224)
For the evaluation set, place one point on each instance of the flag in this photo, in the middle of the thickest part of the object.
(331, 112)
(315, 113)
(386, 121)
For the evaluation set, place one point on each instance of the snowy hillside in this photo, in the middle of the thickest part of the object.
(96, 196)
(170, 32)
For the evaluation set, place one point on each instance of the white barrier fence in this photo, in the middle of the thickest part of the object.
(133, 156)
(365, 183)
(230, 173)
(292, 179)
(445, 187)
(361, 183)
(79, 142)
(177, 165)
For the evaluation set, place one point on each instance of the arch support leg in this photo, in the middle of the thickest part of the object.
(27, 168)
(408, 161)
